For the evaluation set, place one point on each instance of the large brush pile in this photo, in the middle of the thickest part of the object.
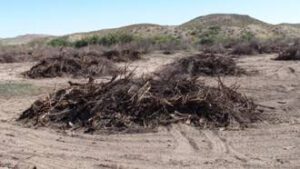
(131, 104)
(247, 48)
(61, 66)
(290, 53)
(201, 64)
(85, 62)
(15, 55)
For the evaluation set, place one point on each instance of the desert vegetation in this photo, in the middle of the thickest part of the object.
(121, 39)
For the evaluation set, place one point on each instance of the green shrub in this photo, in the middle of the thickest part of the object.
(59, 42)
(81, 43)
(107, 40)
(163, 39)
(247, 36)
(211, 36)
(115, 38)
(93, 40)
(214, 30)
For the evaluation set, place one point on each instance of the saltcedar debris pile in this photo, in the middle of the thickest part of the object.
(247, 48)
(11, 56)
(290, 53)
(131, 104)
(86, 66)
(79, 63)
(201, 64)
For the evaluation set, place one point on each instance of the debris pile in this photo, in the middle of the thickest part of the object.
(86, 66)
(133, 104)
(201, 64)
(290, 53)
(15, 56)
(272, 46)
(246, 48)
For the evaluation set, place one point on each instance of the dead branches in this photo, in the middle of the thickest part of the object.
(87, 66)
(290, 53)
(128, 103)
(202, 64)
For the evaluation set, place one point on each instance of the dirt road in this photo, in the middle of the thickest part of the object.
(271, 143)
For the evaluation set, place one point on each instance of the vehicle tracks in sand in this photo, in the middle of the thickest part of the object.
(185, 144)
(222, 149)
(208, 144)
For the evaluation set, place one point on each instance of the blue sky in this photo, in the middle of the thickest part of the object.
(58, 17)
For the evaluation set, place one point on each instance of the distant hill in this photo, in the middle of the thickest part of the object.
(23, 39)
(224, 20)
(292, 25)
(143, 30)
(233, 25)
(227, 25)
(220, 26)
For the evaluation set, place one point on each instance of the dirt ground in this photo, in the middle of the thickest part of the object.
(272, 143)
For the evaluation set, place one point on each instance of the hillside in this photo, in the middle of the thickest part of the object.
(233, 25)
(223, 25)
(23, 39)
(223, 20)
(292, 25)
(220, 26)
(143, 30)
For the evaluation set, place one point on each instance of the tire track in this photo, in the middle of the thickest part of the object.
(218, 146)
(222, 149)
(183, 142)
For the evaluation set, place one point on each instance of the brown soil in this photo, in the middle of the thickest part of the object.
(272, 143)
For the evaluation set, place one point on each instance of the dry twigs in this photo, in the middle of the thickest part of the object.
(202, 64)
(291, 53)
(128, 103)
(86, 66)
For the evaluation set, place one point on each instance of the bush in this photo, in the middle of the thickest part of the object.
(93, 40)
(247, 36)
(59, 42)
(164, 39)
(167, 42)
(211, 36)
(81, 43)
(115, 38)
(108, 40)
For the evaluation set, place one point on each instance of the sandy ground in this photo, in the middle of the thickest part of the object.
(272, 143)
